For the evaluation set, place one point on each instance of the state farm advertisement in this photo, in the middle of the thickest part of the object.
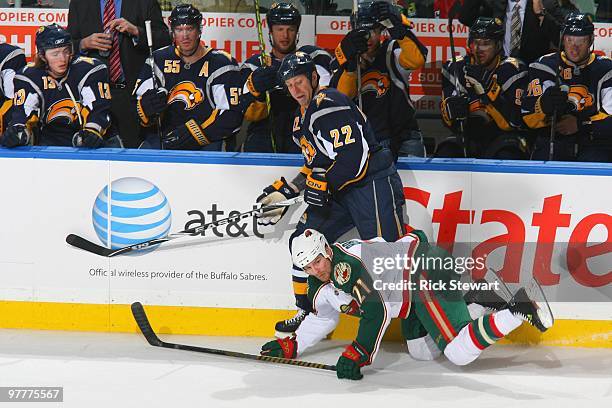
(554, 226)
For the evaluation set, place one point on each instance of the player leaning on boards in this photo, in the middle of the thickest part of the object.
(60, 100)
(433, 320)
(199, 87)
(483, 90)
(386, 67)
(576, 85)
(12, 60)
(348, 179)
(283, 21)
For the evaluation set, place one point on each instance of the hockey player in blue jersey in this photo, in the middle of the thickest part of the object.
(283, 21)
(12, 60)
(199, 87)
(64, 101)
(349, 180)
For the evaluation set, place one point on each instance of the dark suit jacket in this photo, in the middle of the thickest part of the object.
(84, 19)
(536, 39)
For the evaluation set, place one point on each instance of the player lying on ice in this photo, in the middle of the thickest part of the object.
(342, 279)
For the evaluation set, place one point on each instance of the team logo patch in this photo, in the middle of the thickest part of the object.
(342, 273)
(376, 82)
(64, 108)
(580, 97)
(319, 98)
(308, 150)
(187, 93)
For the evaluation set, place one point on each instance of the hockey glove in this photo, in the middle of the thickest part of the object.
(553, 100)
(262, 80)
(186, 137)
(388, 12)
(480, 79)
(280, 190)
(15, 135)
(153, 102)
(285, 348)
(350, 362)
(352, 45)
(316, 192)
(457, 107)
(87, 137)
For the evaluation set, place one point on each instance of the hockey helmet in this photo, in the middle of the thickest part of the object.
(307, 246)
(296, 64)
(185, 14)
(52, 36)
(578, 24)
(283, 14)
(487, 28)
(364, 17)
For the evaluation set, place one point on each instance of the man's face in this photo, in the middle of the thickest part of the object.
(320, 268)
(58, 60)
(187, 38)
(300, 88)
(374, 40)
(283, 38)
(577, 49)
(484, 50)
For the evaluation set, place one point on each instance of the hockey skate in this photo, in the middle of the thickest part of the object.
(492, 299)
(536, 313)
(287, 327)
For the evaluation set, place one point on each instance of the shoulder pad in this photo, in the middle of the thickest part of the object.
(254, 60)
(222, 54)
(517, 63)
(86, 60)
(327, 97)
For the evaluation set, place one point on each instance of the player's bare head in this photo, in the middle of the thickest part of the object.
(578, 37)
(283, 21)
(311, 252)
(486, 39)
(299, 75)
(55, 52)
(186, 28)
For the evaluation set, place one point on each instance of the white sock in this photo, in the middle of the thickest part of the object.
(506, 321)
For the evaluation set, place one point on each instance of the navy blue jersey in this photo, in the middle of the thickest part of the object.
(62, 107)
(12, 60)
(207, 91)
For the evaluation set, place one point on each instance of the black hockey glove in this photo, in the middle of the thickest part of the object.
(479, 78)
(153, 102)
(457, 107)
(354, 43)
(554, 100)
(87, 138)
(189, 136)
(278, 191)
(386, 11)
(15, 135)
(316, 192)
(262, 80)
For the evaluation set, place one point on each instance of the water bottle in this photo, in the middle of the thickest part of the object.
(105, 54)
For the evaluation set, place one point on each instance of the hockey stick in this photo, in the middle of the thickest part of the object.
(359, 98)
(553, 121)
(89, 246)
(262, 60)
(451, 15)
(145, 327)
(153, 78)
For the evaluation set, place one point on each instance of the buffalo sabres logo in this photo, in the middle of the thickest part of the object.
(375, 82)
(580, 97)
(308, 151)
(187, 93)
(64, 108)
(342, 273)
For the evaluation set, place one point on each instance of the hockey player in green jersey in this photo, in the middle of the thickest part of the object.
(343, 278)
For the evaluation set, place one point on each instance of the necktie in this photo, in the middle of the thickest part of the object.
(515, 30)
(114, 61)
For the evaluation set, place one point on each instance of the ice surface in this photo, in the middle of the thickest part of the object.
(122, 370)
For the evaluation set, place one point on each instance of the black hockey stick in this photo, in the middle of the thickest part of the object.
(145, 327)
(155, 84)
(89, 246)
(454, 10)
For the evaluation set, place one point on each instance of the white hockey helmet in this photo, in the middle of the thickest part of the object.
(307, 246)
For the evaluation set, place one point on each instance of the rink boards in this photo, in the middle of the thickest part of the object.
(235, 280)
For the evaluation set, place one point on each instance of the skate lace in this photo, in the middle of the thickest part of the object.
(297, 318)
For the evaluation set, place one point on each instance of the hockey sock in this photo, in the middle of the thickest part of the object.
(478, 335)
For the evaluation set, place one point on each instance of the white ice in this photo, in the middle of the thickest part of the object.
(122, 370)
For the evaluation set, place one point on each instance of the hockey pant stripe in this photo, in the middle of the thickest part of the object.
(437, 313)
